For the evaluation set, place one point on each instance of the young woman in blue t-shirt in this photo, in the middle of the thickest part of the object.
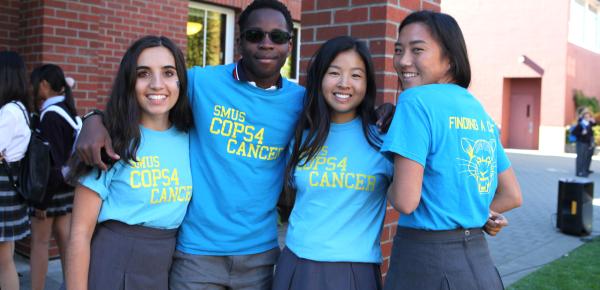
(337, 177)
(451, 175)
(126, 218)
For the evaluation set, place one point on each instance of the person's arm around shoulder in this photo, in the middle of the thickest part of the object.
(92, 138)
(405, 192)
(86, 207)
(385, 115)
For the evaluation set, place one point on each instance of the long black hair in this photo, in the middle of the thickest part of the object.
(313, 126)
(446, 31)
(55, 78)
(122, 114)
(13, 79)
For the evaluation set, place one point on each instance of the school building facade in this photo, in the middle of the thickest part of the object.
(527, 60)
(87, 38)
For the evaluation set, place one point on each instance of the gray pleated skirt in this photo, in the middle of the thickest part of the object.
(125, 257)
(295, 273)
(431, 260)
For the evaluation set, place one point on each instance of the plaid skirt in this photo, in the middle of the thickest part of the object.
(60, 204)
(14, 221)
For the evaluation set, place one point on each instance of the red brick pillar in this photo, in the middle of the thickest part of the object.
(376, 22)
(9, 24)
(87, 38)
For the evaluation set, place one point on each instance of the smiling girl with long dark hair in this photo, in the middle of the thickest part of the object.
(337, 177)
(125, 219)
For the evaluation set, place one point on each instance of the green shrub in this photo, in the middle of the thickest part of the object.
(590, 102)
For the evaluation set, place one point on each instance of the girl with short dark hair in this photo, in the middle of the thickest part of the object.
(53, 217)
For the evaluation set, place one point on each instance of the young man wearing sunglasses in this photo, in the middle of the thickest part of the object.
(244, 115)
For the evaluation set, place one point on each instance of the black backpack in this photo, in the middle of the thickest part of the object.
(33, 174)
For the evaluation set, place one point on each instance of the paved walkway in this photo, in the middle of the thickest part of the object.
(530, 241)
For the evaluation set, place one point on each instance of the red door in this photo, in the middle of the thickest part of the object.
(524, 116)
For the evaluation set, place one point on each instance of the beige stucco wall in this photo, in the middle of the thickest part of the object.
(497, 34)
(583, 73)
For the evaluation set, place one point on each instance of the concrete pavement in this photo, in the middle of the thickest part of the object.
(530, 241)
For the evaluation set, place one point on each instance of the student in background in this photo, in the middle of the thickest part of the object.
(54, 216)
(585, 144)
(14, 129)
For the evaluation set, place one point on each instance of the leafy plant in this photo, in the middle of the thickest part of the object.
(583, 101)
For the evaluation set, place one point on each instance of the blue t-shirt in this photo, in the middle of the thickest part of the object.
(238, 157)
(152, 192)
(341, 199)
(445, 129)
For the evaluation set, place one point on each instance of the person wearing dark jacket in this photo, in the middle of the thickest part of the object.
(584, 143)
(50, 87)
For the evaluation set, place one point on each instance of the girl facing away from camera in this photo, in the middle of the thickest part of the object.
(15, 102)
(337, 175)
(53, 216)
(451, 175)
(125, 219)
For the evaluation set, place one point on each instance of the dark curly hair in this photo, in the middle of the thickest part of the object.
(261, 4)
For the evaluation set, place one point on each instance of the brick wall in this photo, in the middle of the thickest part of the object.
(293, 5)
(87, 38)
(376, 22)
(9, 24)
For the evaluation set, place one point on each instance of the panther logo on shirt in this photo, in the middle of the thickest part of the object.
(481, 162)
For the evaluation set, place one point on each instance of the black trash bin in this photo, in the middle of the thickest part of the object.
(574, 212)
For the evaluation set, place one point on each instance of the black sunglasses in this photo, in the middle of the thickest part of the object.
(256, 35)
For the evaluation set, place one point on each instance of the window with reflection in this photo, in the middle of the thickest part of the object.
(290, 68)
(584, 24)
(208, 33)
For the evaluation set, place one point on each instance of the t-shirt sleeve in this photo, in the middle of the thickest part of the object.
(503, 162)
(8, 119)
(389, 158)
(410, 132)
(100, 184)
